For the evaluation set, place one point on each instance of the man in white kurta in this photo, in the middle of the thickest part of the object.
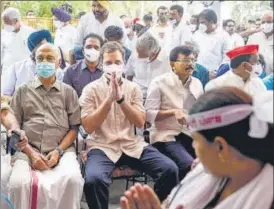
(243, 61)
(13, 38)
(265, 41)
(213, 42)
(46, 174)
(229, 27)
(97, 21)
(170, 96)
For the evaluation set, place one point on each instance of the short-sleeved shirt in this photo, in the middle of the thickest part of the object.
(116, 134)
(46, 115)
(78, 76)
(5, 105)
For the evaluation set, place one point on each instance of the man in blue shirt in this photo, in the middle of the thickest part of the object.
(200, 71)
(87, 69)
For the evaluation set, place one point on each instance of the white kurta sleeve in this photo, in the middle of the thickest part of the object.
(227, 46)
(81, 31)
(8, 81)
(153, 102)
(186, 35)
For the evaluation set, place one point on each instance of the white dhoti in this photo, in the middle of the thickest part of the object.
(58, 188)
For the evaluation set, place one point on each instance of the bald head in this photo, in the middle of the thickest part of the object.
(127, 22)
(268, 15)
(47, 52)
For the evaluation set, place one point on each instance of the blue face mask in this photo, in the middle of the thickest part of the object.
(45, 69)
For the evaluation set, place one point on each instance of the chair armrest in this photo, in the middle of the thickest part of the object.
(83, 133)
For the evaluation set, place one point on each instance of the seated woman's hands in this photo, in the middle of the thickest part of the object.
(141, 197)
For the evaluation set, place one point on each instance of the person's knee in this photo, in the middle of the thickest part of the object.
(75, 180)
(18, 182)
(170, 168)
(96, 178)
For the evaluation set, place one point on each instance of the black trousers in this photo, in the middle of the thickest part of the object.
(99, 169)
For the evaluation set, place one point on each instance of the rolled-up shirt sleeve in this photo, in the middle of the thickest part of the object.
(153, 102)
(87, 101)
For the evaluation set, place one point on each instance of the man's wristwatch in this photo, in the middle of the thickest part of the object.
(61, 151)
(120, 101)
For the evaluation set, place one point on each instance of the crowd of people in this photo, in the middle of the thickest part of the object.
(203, 92)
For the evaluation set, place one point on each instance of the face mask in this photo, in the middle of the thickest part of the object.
(9, 28)
(109, 69)
(202, 28)
(172, 22)
(57, 24)
(193, 27)
(45, 69)
(267, 27)
(257, 70)
(98, 15)
(91, 55)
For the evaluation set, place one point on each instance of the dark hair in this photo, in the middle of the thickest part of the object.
(139, 29)
(179, 9)
(251, 21)
(122, 16)
(63, 62)
(114, 32)
(234, 63)
(179, 50)
(95, 36)
(161, 7)
(209, 15)
(29, 12)
(195, 16)
(147, 17)
(258, 19)
(227, 21)
(235, 134)
(112, 46)
(67, 7)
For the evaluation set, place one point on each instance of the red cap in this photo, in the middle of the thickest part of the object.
(135, 20)
(242, 50)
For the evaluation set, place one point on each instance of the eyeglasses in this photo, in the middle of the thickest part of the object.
(47, 58)
(186, 61)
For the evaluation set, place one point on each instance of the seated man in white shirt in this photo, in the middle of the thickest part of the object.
(237, 40)
(23, 71)
(169, 98)
(162, 30)
(244, 60)
(265, 40)
(213, 42)
(148, 62)
(14, 38)
(97, 21)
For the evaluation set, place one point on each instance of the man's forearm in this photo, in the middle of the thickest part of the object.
(95, 120)
(68, 140)
(8, 120)
(134, 115)
(164, 114)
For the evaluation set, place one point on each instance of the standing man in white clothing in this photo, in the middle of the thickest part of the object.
(180, 31)
(213, 43)
(265, 41)
(229, 27)
(162, 30)
(148, 62)
(97, 21)
(14, 38)
(65, 33)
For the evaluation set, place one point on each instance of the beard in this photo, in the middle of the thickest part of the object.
(99, 15)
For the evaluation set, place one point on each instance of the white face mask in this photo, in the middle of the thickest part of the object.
(256, 70)
(172, 22)
(91, 55)
(202, 28)
(9, 28)
(192, 27)
(109, 69)
(58, 24)
(267, 27)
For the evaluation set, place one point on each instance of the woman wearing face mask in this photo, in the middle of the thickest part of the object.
(86, 70)
(233, 139)
(65, 34)
(244, 61)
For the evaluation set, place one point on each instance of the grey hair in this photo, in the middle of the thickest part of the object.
(195, 47)
(11, 13)
(52, 47)
(148, 41)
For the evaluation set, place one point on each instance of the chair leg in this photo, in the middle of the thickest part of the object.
(127, 184)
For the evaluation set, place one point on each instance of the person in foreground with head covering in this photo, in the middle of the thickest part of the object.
(23, 71)
(233, 139)
(65, 34)
(244, 61)
(98, 20)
